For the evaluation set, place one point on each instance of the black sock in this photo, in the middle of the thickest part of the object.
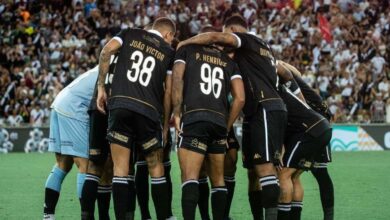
(120, 193)
(326, 191)
(130, 180)
(218, 202)
(167, 172)
(189, 198)
(284, 210)
(142, 187)
(160, 196)
(88, 196)
(51, 199)
(270, 196)
(256, 205)
(203, 201)
(103, 201)
(296, 209)
(230, 182)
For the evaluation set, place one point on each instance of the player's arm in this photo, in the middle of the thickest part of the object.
(104, 63)
(167, 105)
(290, 67)
(283, 72)
(177, 92)
(225, 39)
(238, 93)
(294, 85)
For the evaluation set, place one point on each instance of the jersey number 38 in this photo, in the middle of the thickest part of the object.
(141, 69)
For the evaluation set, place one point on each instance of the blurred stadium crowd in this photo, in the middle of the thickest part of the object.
(342, 47)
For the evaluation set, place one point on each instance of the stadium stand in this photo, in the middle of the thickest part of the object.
(342, 47)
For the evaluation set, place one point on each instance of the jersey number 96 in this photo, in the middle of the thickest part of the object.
(211, 78)
(141, 69)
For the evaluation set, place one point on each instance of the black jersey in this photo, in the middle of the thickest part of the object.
(144, 60)
(207, 79)
(107, 83)
(302, 118)
(258, 67)
(313, 99)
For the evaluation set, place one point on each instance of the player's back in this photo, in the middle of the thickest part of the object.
(302, 118)
(142, 65)
(258, 67)
(313, 99)
(73, 101)
(207, 79)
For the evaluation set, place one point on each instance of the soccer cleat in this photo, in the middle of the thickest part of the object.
(49, 217)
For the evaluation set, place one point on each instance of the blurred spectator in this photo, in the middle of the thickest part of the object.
(46, 44)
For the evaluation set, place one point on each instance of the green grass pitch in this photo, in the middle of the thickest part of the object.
(361, 179)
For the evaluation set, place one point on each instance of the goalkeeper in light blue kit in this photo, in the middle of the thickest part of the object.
(69, 133)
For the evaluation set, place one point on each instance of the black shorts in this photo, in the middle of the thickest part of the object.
(232, 141)
(321, 160)
(99, 148)
(133, 130)
(301, 149)
(262, 137)
(203, 137)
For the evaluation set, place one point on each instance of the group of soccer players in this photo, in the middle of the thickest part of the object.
(113, 122)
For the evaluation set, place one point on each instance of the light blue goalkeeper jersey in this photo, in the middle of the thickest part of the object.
(73, 101)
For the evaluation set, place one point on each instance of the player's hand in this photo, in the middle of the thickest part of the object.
(176, 121)
(101, 100)
(165, 134)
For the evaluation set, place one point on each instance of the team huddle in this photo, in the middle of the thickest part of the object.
(113, 122)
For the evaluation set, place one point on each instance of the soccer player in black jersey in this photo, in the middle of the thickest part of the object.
(142, 173)
(308, 132)
(203, 76)
(319, 169)
(97, 184)
(136, 104)
(265, 113)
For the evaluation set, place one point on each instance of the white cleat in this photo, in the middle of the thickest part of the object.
(49, 217)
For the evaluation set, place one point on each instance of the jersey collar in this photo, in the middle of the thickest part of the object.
(155, 32)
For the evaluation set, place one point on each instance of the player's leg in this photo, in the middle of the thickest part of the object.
(191, 151)
(297, 200)
(104, 190)
(254, 195)
(159, 188)
(254, 190)
(204, 193)
(320, 172)
(120, 134)
(167, 173)
(131, 184)
(53, 184)
(190, 165)
(120, 184)
(216, 161)
(142, 186)
(149, 139)
(98, 154)
(218, 190)
(286, 193)
(59, 171)
(267, 133)
(82, 166)
(229, 176)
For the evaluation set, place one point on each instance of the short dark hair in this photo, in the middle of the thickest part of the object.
(207, 28)
(236, 20)
(164, 23)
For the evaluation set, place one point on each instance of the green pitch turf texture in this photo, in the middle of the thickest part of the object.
(361, 180)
